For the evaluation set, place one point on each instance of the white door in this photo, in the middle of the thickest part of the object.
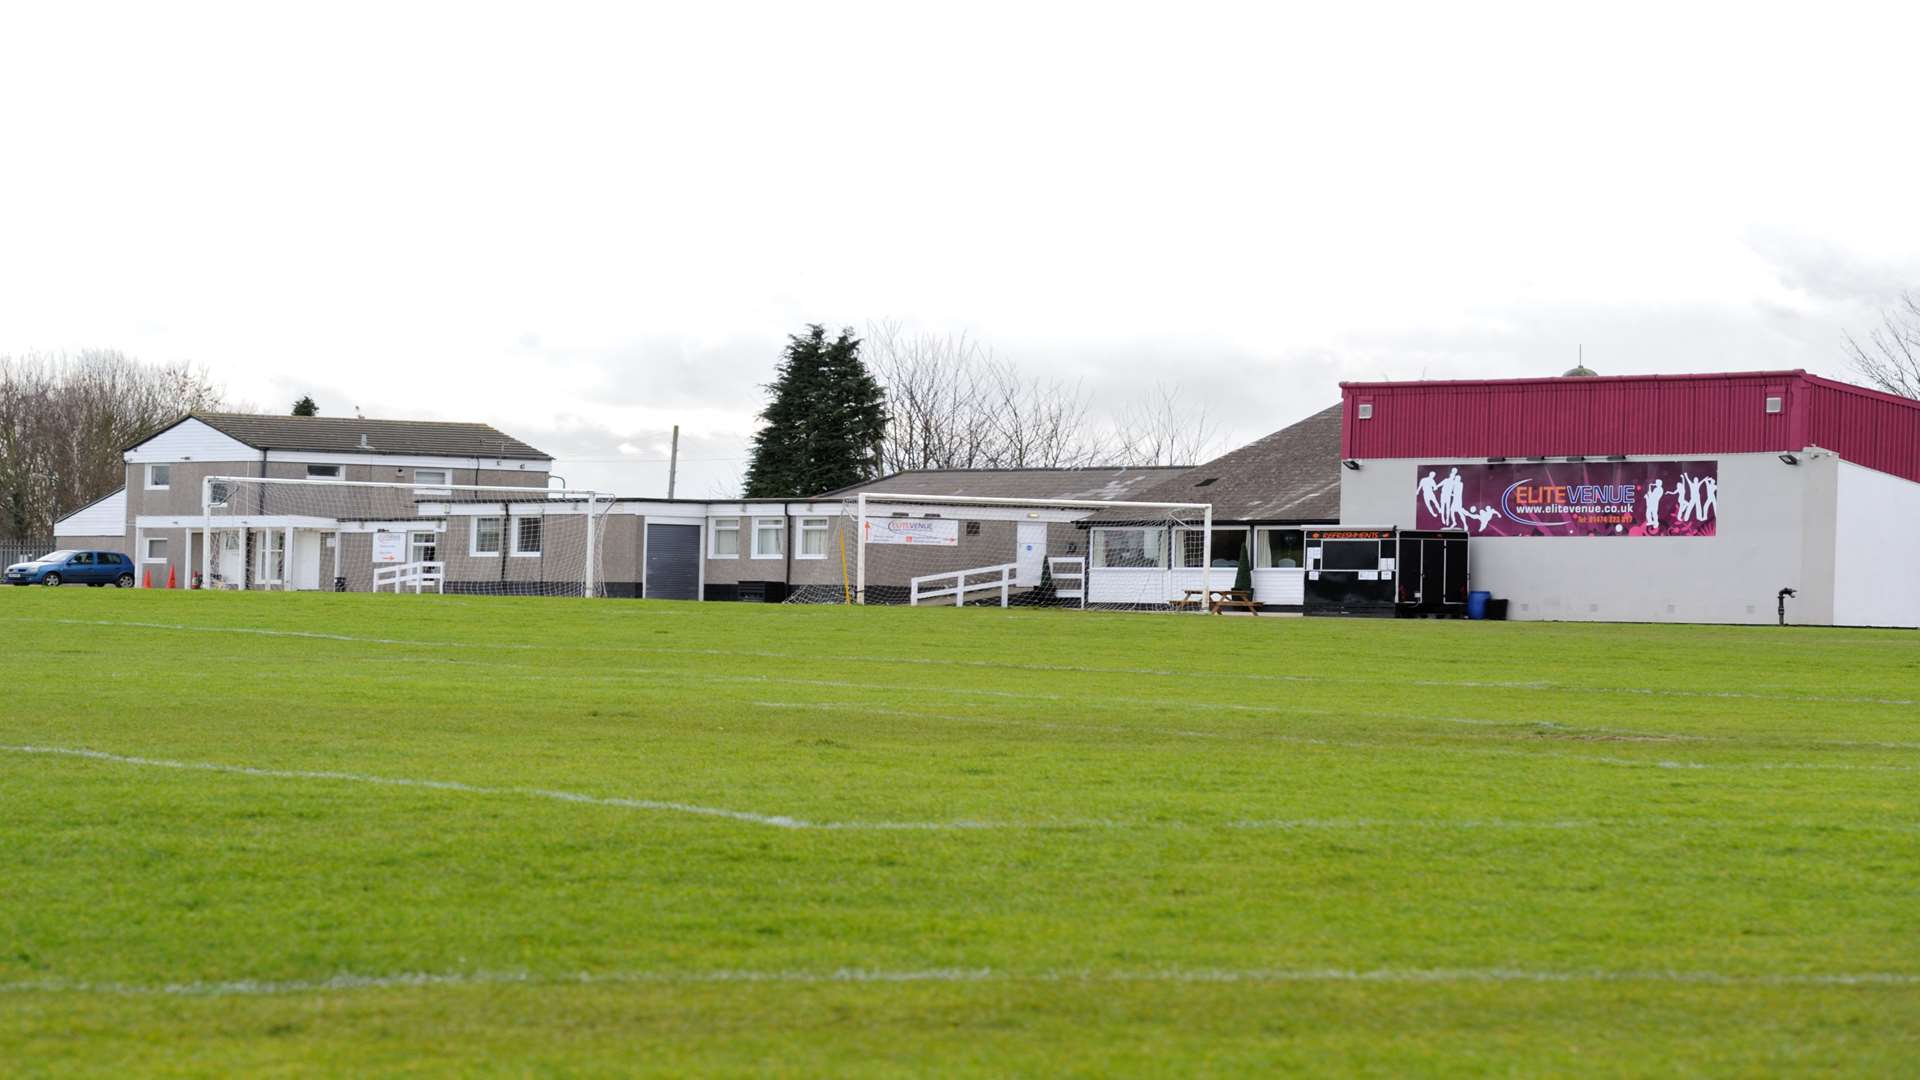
(1030, 551)
(306, 559)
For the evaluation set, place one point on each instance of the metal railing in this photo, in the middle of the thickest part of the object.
(1069, 577)
(13, 551)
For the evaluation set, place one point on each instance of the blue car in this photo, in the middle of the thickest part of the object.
(94, 568)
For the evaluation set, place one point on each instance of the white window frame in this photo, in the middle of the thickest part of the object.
(414, 543)
(820, 525)
(440, 486)
(513, 530)
(323, 472)
(1260, 546)
(267, 570)
(164, 485)
(715, 528)
(1096, 546)
(473, 536)
(1177, 550)
(146, 549)
(781, 524)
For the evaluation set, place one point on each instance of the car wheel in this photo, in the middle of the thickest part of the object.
(51, 581)
(125, 582)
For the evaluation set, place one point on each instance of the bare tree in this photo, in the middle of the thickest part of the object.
(65, 420)
(1164, 430)
(953, 404)
(1890, 357)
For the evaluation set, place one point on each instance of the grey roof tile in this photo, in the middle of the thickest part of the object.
(350, 435)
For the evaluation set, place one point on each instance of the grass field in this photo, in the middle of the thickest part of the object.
(351, 834)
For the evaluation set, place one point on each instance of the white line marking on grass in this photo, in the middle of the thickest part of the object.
(869, 976)
(996, 665)
(782, 821)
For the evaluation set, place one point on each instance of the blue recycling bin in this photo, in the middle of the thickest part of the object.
(1477, 604)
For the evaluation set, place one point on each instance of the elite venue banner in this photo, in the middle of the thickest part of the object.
(934, 532)
(1573, 498)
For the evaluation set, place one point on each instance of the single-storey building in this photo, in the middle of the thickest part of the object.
(1720, 498)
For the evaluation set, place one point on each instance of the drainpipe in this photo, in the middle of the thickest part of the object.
(1782, 598)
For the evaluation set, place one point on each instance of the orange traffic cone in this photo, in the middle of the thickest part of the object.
(170, 581)
(146, 579)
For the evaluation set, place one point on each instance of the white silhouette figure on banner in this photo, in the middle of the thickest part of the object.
(1482, 514)
(1705, 503)
(1654, 492)
(1430, 493)
(1452, 495)
(1686, 498)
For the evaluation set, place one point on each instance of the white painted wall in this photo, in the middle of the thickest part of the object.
(107, 517)
(191, 440)
(1761, 545)
(1877, 549)
(1137, 585)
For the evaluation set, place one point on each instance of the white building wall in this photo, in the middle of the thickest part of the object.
(107, 517)
(1877, 538)
(1761, 545)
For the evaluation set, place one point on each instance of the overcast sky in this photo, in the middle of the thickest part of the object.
(586, 224)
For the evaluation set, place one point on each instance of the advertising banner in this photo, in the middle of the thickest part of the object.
(389, 547)
(1570, 498)
(934, 532)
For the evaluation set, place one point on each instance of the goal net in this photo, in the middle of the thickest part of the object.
(953, 552)
(360, 536)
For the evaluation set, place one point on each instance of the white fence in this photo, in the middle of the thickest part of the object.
(418, 576)
(1002, 580)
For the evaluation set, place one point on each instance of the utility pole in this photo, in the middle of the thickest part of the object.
(673, 461)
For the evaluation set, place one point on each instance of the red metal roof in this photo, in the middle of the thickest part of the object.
(1723, 413)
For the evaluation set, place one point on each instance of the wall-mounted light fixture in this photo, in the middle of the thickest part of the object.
(1495, 460)
(1791, 459)
(1616, 457)
(1576, 457)
(1351, 464)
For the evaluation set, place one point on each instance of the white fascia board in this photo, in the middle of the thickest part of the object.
(392, 526)
(492, 509)
(418, 461)
(235, 521)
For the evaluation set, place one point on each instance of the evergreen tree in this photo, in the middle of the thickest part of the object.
(823, 427)
(306, 407)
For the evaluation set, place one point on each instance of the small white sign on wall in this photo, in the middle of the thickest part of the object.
(389, 547)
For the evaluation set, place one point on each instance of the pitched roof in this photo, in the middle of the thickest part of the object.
(1104, 482)
(352, 435)
(1291, 475)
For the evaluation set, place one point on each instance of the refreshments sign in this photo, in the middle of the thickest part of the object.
(1572, 498)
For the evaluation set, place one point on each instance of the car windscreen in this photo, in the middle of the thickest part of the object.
(56, 556)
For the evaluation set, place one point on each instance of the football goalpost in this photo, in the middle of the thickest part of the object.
(1010, 552)
(368, 536)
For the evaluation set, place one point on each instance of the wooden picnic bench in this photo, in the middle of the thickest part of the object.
(1216, 599)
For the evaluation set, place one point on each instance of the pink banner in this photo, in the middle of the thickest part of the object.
(1571, 498)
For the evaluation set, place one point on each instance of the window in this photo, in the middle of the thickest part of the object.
(433, 478)
(1227, 546)
(156, 549)
(813, 539)
(1773, 403)
(1278, 549)
(1364, 411)
(769, 537)
(1143, 548)
(423, 547)
(527, 535)
(488, 533)
(159, 477)
(725, 538)
(323, 472)
(218, 492)
(81, 558)
(271, 560)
